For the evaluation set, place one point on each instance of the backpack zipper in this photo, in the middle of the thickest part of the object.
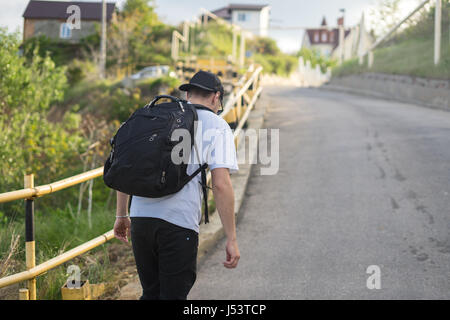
(123, 147)
(111, 155)
(181, 105)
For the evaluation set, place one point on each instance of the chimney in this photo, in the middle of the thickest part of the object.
(340, 21)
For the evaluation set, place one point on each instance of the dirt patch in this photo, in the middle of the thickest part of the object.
(123, 267)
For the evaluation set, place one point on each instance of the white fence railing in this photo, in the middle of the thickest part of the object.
(437, 32)
(312, 76)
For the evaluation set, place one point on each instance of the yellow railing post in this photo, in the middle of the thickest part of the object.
(29, 236)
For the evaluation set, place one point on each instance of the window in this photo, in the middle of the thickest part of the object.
(324, 37)
(242, 17)
(65, 31)
(316, 37)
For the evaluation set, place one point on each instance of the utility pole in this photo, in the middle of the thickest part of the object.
(242, 51)
(437, 32)
(361, 40)
(341, 37)
(103, 42)
(234, 48)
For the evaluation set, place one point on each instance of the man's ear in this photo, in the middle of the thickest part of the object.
(217, 96)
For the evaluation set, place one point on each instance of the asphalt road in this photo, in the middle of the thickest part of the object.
(361, 182)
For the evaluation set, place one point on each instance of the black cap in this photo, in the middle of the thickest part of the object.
(204, 80)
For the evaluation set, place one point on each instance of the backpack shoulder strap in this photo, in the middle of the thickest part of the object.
(202, 170)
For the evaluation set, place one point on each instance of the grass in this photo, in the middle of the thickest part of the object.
(57, 231)
(411, 56)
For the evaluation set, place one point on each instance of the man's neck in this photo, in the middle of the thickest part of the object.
(203, 103)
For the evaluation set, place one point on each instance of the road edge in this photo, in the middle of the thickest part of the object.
(383, 94)
(212, 232)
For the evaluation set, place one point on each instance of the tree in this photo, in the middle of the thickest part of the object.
(137, 37)
(29, 142)
(264, 45)
(385, 16)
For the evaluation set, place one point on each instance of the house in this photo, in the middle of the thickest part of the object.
(56, 19)
(324, 39)
(250, 17)
(356, 43)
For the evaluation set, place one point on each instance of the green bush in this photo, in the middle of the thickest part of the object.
(282, 64)
(315, 58)
(214, 40)
(78, 70)
(30, 143)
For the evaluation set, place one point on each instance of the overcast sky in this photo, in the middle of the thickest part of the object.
(284, 13)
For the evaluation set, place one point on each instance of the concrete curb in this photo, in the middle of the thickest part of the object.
(428, 93)
(212, 232)
(354, 91)
(367, 93)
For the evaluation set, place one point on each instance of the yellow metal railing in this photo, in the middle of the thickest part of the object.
(32, 192)
(189, 66)
(29, 193)
(236, 111)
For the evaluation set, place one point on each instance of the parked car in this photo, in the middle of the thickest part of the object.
(151, 72)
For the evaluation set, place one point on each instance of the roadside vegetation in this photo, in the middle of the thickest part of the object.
(56, 119)
(215, 40)
(410, 51)
(316, 58)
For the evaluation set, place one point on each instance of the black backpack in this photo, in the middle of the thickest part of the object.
(140, 160)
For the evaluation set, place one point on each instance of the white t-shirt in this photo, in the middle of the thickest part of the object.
(215, 140)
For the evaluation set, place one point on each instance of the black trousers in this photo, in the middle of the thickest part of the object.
(166, 258)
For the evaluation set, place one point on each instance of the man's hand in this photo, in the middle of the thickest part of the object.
(233, 254)
(122, 229)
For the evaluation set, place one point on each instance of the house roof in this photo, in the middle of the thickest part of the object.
(225, 12)
(256, 7)
(58, 10)
(332, 36)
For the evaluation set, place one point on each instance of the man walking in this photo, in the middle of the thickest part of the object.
(164, 231)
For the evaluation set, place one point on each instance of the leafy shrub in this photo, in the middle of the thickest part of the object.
(29, 142)
(78, 70)
(315, 58)
(282, 65)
